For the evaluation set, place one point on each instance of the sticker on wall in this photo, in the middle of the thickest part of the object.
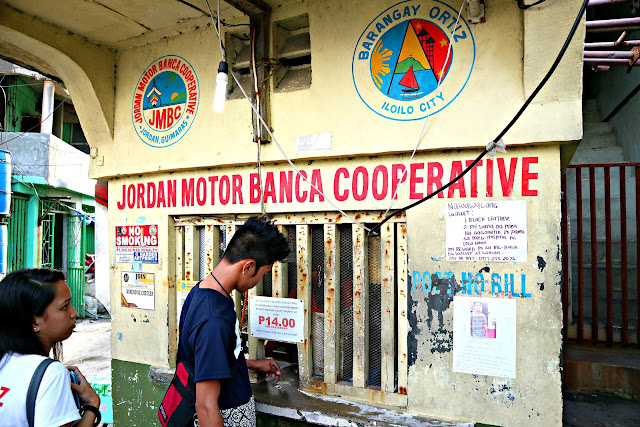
(165, 101)
(137, 244)
(402, 54)
(138, 290)
(182, 291)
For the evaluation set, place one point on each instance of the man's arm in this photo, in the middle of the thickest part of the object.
(269, 366)
(207, 393)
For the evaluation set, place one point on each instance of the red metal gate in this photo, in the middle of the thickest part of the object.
(601, 296)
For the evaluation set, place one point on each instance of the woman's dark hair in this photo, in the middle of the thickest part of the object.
(257, 239)
(24, 294)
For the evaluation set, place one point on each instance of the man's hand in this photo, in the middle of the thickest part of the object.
(269, 366)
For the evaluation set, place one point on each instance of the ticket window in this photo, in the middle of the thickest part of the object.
(363, 351)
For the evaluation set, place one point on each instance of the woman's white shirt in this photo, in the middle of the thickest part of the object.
(54, 402)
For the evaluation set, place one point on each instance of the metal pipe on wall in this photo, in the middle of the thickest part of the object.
(596, 45)
(620, 24)
(608, 54)
(604, 2)
(609, 61)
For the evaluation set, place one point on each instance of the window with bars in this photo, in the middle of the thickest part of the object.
(354, 286)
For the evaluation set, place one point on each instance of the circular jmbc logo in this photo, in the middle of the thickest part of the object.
(407, 65)
(165, 101)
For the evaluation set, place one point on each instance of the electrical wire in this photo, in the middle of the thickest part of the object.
(275, 140)
(33, 127)
(524, 6)
(506, 129)
(426, 120)
(217, 27)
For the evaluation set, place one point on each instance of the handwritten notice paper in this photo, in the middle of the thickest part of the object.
(484, 336)
(487, 231)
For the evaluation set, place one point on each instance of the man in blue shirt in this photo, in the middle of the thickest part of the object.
(209, 333)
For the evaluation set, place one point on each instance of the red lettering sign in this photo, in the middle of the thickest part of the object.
(356, 184)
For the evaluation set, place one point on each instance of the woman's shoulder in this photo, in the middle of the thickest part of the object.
(17, 360)
(28, 363)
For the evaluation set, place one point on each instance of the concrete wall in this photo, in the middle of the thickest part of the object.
(47, 156)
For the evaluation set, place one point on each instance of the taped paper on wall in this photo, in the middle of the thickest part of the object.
(487, 231)
(280, 319)
(484, 336)
(138, 290)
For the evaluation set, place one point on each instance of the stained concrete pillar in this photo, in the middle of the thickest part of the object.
(48, 96)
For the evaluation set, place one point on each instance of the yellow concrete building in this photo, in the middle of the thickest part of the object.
(349, 89)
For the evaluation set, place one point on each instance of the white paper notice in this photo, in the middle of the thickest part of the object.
(487, 231)
(280, 319)
(138, 290)
(484, 336)
(313, 142)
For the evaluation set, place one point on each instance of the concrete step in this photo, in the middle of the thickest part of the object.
(601, 155)
(597, 128)
(590, 368)
(616, 274)
(601, 248)
(591, 117)
(601, 231)
(614, 188)
(630, 204)
(589, 105)
(598, 141)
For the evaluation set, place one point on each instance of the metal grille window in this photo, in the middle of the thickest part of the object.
(355, 292)
(346, 304)
(17, 226)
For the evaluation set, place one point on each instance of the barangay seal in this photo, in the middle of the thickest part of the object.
(165, 101)
(403, 54)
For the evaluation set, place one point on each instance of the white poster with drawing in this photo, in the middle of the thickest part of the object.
(487, 231)
(484, 336)
(138, 290)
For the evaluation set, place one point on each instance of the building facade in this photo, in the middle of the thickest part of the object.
(349, 90)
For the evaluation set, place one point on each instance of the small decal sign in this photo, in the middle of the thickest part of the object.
(165, 101)
(137, 243)
(138, 290)
(182, 291)
(280, 319)
(403, 54)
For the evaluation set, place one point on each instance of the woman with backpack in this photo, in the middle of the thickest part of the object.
(36, 313)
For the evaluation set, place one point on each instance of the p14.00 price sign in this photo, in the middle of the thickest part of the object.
(280, 319)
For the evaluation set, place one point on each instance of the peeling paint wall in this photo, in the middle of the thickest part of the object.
(534, 396)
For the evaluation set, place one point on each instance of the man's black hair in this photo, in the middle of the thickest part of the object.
(24, 294)
(257, 239)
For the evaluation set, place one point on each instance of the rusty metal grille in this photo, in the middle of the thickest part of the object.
(375, 312)
(317, 298)
(267, 284)
(346, 303)
(203, 254)
(292, 275)
(223, 240)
